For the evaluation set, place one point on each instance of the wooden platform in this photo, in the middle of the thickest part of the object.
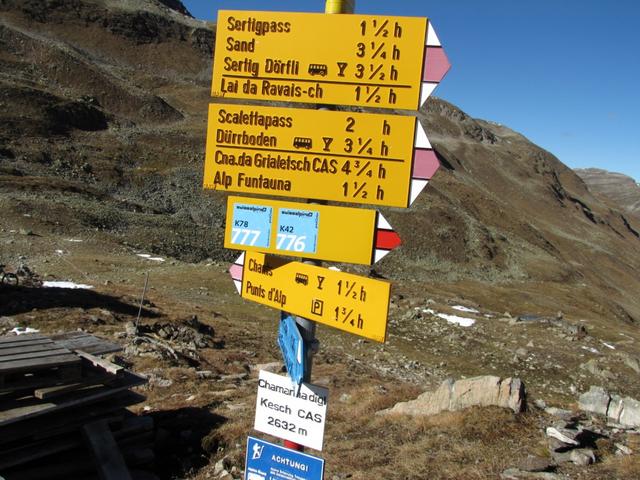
(60, 400)
(85, 342)
(31, 361)
(21, 408)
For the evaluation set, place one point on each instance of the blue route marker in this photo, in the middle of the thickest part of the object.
(293, 348)
(298, 230)
(251, 225)
(268, 461)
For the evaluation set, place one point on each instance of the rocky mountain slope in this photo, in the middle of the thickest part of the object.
(622, 189)
(102, 135)
(103, 127)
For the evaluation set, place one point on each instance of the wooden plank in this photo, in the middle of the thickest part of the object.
(71, 340)
(62, 422)
(109, 460)
(6, 360)
(21, 384)
(87, 343)
(41, 347)
(18, 384)
(65, 422)
(56, 391)
(101, 363)
(21, 338)
(115, 416)
(8, 342)
(29, 343)
(27, 402)
(70, 335)
(101, 348)
(82, 389)
(17, 410)
(35, 450)
(37, 363)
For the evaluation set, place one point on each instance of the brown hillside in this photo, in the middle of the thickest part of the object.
(112, 96)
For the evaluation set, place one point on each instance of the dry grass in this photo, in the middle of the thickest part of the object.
(633, 441)
(627, 467)
(364, 400)
(475, 443)
(623, 467)
(615, 467)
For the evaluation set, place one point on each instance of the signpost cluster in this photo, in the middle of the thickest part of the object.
(317, 155)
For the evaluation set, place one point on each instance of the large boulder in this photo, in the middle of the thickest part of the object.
(624, 411)
(596, 400)
(453, 395)
(486, 391)
(630, 415)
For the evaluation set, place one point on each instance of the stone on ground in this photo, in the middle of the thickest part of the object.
(453, 396)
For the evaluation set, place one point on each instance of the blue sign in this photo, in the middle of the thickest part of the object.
(268, 461)
(251, 225)
(297, 230)
(293, 348)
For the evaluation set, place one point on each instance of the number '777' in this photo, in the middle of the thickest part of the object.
(249, 237)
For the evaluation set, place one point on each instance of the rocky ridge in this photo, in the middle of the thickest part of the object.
(105, 107)
(621, 189)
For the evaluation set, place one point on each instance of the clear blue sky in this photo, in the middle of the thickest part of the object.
(564, 73)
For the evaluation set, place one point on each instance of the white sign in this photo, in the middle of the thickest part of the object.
(284, 412)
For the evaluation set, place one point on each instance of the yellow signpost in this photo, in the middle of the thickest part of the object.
(365, 60)
(348, 302)
(308, 230)
(326, 155)
(361, 60)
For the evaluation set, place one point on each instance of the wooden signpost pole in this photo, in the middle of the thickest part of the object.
(308, 327)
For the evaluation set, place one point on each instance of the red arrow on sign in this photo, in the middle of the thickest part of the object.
(436, 64)
(386, 239)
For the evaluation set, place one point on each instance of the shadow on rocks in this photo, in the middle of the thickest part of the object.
(17, 299)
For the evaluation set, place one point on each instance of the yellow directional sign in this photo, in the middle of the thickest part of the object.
(355, 304)
(335, 234)
(327, 155)
(374, 61)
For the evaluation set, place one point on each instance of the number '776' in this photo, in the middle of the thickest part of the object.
(291, 242)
